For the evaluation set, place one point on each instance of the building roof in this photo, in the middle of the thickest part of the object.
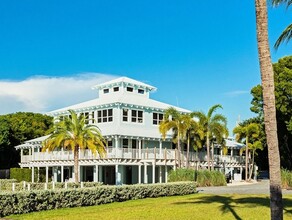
(131, 101)
(126, 81)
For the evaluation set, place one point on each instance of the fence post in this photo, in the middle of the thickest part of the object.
(53, 185)
(66, 185)
(24, 185)
(46, 186)
(28, 187)
(13, 187)
(82, 184)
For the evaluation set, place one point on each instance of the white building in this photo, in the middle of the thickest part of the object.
(128, 118)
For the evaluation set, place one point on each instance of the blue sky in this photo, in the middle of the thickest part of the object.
(197, 53)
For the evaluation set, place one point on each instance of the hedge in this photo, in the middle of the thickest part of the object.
(31, 201)
(202, 177)
(21, 174)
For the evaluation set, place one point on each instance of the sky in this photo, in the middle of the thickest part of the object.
(197, 53)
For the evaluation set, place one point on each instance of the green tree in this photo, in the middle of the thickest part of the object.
(74, 134)
(174, 120)
(15, 129)
(283, 93)
(247, 134)
(214, 127)
(267, 78)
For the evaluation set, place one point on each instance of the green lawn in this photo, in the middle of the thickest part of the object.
(196, 206)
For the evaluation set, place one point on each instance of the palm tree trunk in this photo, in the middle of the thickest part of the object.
(252, 165)
(212, 156)
(267, 76)
(76, 163)
(188, 151)
(246, 159)
(179, 150)
(208, 151)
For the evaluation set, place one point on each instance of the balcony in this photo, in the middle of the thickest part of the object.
(125, 153)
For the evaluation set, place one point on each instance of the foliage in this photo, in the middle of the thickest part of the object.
(21, 174)
(283, 94)
(24, 202)
(15, 129)
(286, 179)
(214, 128)
(202, 177)
(74, 133)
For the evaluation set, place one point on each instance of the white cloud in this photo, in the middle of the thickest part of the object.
(236, 93)
(43, 93)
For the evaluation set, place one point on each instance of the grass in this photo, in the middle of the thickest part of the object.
(195, 206)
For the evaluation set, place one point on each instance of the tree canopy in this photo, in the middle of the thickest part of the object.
(283, 95)
(15, 129)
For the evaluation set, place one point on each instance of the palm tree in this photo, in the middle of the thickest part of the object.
(72, 133)
(215, 126)
(174, 120)
(246, 133)
(287, 33)
(193, 133)
(267, 76)
(257, 145)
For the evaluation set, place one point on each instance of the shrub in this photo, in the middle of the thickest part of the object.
(30, 201)
(6, 184)
(203, 177)
(21, 174)
(286, 176)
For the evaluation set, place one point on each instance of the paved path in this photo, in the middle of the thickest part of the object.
(261, 187)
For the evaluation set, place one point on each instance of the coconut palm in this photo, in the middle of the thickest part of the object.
(193, 134)
(246, 133)
(267, 77)
(214, 126)
(287, 33)
(72, 133)
(174, 120)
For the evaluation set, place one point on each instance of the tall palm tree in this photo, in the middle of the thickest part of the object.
(174, 120)
(193, 133)
(73, 133)
(257, 145)
(287, 33)
(246, 133)
(215, 126)
(267, 76)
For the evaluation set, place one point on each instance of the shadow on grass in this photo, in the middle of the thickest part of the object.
(229, 203)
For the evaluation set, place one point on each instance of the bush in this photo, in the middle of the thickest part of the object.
(203, 177)
(6, 184)
(286, 176)
(21, 174)
(30, 201)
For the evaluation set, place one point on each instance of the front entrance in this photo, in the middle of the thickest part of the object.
(109, 175)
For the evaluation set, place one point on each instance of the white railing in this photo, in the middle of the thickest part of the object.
(125, 153)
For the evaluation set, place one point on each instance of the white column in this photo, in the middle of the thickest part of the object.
(32, 153)
(139, 174)
(95, 173)
(32, 174)
(145, 173)
(62, 174)
(21, 155)
(166, 174)
(139, 147)
(160, 174)
(153, 172)
(160, 150)
(55, 173)
(118, 175)
(47, 174)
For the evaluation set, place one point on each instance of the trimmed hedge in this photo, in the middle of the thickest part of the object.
(21, 174)
(202, 177)
(31, 201)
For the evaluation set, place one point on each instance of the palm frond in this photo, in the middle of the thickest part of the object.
(284, 37)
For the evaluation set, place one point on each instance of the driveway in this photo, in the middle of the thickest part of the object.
(261, 187)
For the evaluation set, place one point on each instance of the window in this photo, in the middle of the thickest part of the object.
(137, 116)
(110, 143)
(86, 116)
(134, 144)
(130, 89)
(116, 89)
(125, 114)
(141, 91)
(157, 118)
(105, 115)
(125, 143)
(106, 91)
(92, 118)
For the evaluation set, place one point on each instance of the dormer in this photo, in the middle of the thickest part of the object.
(124, 86)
